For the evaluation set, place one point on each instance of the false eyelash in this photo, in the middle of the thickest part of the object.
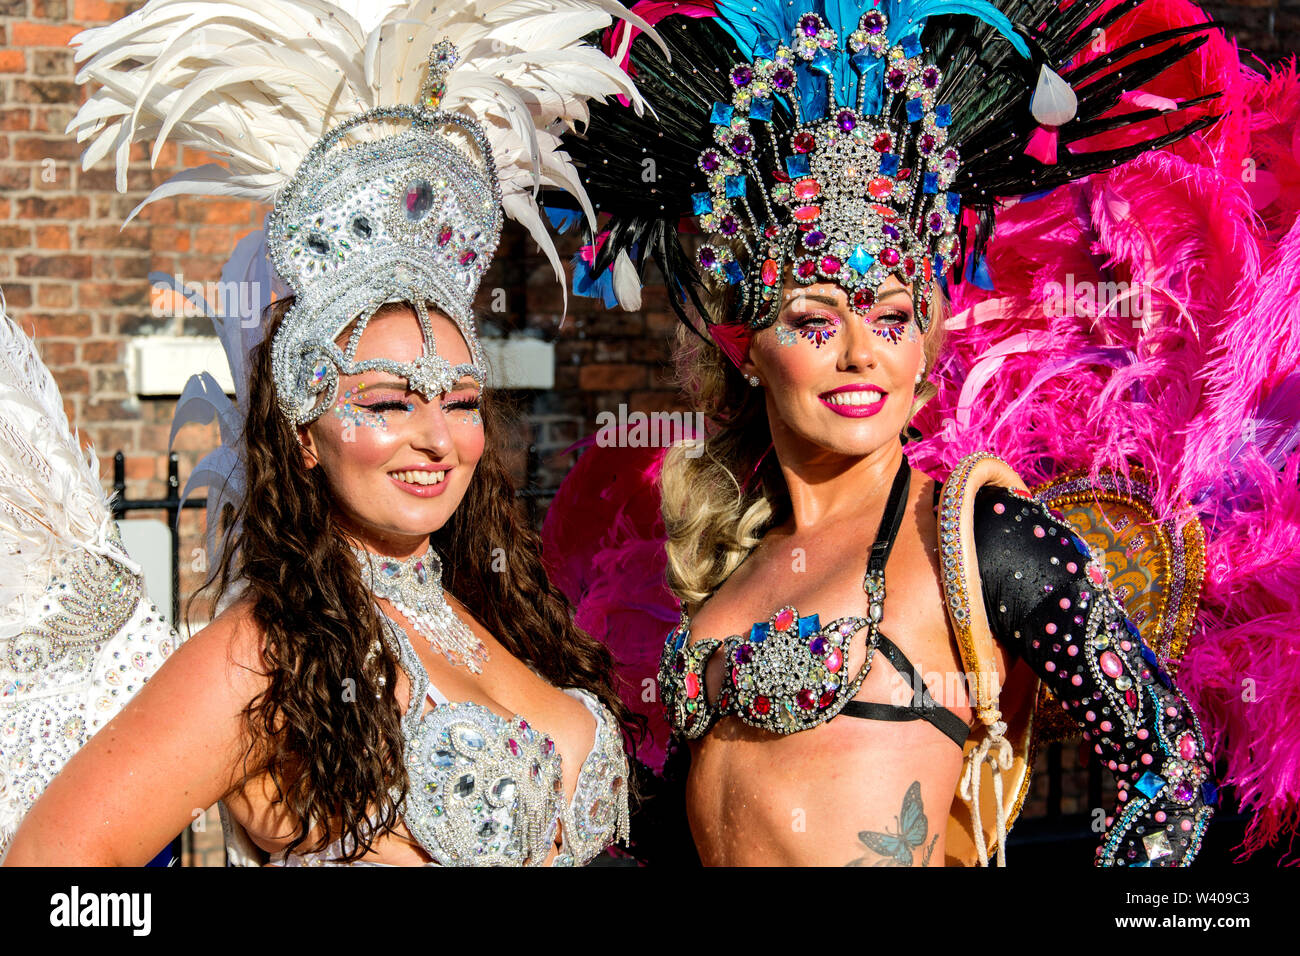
(465, 403)
(387, 407)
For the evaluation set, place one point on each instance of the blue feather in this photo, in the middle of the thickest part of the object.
(562, 219)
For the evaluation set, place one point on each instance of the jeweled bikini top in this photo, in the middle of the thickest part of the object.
(486, 790)
(788, 673)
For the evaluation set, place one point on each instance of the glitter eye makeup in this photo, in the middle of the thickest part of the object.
(372, 414)
(817, 327)
(891, 331)
(467, 407)
(786, 335)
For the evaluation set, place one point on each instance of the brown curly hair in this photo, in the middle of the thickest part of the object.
(338, 766)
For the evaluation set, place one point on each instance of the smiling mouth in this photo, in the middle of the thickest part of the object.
(421, 477)
(855, 397)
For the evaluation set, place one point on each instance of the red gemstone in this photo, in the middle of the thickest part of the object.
(827, 698)
(445, 236)
(905, 172)
(909, 265)
(807, 213)
(880, 187)
(806, 269)
(783, 620)
(1131, 698)
(761, 704)
(468, 256)
(770, 231)
(830, 265)
(862, 299)
(692, 686)
(804, 143)
(1187, 746)
(805, 699)
(769, 272)
(806, 189)
(889, 257)
(926, 270)
(882, 143)
(834, 660)
(884, 212)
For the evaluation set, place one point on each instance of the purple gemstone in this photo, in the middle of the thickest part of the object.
(1184, 793)
(710, 161)
(930, 77)
(708, 258)
(729, 225)
(927, 143)
(896, 79)
(813, 238)
(891, 232)
(874, 21)
(808, 25)
(817, 645)
(845, 120)
(744, 654)
(783, 78)
(742, 75)
(936, 222)
(740, 145)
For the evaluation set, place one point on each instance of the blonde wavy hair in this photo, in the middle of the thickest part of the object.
(720, 499)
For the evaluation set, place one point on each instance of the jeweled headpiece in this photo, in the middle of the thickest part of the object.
(848, 141)
(390, 136)
(380, 195)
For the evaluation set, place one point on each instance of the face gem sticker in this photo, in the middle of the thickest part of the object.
(350, 413)
(786, 336)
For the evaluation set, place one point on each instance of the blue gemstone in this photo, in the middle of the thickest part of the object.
(930, 184)
(809, 625)
(954, 203)
(733, 272)
(759, 632)
(861, 260)
(888, 164)
(871, 102)
(735, 186)
(942, 114)
(1210, 793)
(796, 166)
(861, 62)
(1150, 784)
(1141, 863)
(760, 110)
(764, 49)
(703, 203)
(937, 262)
(721, 115)
(911, 46)
(1149, 655)
(822, 62)
(914, 110)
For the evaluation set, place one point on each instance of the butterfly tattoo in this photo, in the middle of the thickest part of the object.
(896, 848)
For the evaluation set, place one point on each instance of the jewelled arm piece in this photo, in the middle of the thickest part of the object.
(1049, 599)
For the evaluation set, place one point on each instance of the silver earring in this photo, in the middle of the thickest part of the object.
(920, 375)
(753, 380)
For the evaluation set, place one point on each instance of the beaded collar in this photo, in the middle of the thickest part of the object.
(414, 587)
(788, 673)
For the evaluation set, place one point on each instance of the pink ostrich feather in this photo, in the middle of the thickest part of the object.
(1201, 387)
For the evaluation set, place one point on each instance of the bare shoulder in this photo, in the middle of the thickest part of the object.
(230, 650)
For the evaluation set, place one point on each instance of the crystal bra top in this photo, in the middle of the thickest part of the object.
(486, 790)
(788, 673)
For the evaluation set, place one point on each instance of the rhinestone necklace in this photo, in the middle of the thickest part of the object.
(414, 588)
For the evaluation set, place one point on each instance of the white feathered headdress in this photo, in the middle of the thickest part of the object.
(262, 85)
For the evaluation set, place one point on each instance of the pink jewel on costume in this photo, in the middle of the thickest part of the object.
(807, 189)
(1050, 628)
(784, 618)
(1187, 746)
(1071, 567)
(1065, 604)
(1131, 698)
(1143, 733)
(1049, 666)
(1096, 575)
(999, 508)
(1090, 716)
(1186, 824)
(444, 236)
(514, 746)
(889, 256)
(830, 265)
(769, 272)
(880, 187)
(1106, 725)
(834, 660)
(1039, 532)
(805, 699)
(807, 213)
(1146, 758)
(1161, 816)
(806, 269)
(862, 299)
(1076, 680)
(692, 686)
(1110, 664)
(1073, 650)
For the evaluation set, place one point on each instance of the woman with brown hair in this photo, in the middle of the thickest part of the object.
(391, 678)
